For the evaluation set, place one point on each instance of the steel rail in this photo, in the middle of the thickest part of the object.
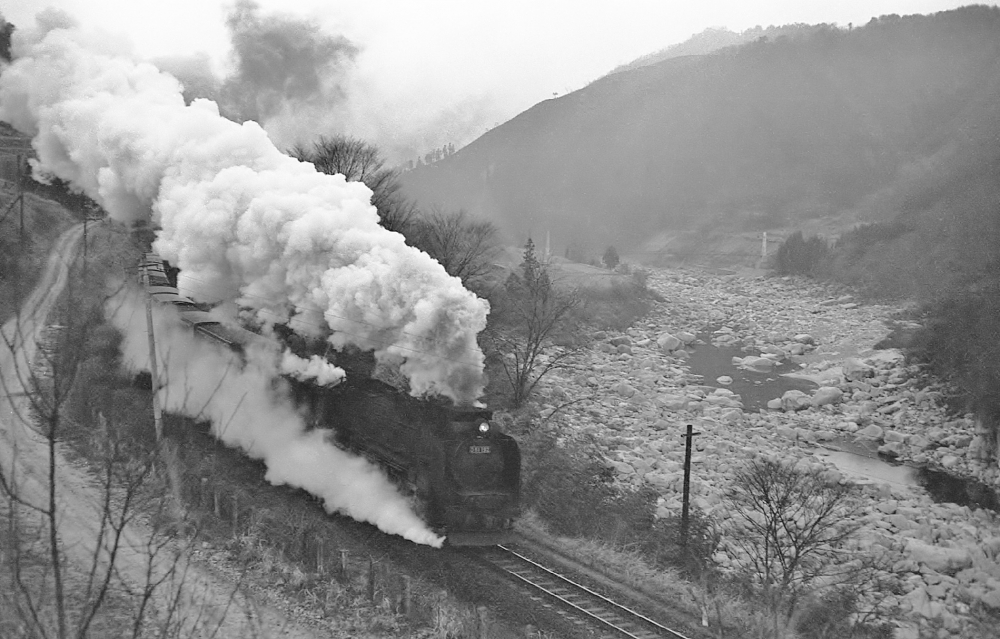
(627, 614)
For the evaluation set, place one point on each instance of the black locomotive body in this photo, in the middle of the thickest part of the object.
(464, 473)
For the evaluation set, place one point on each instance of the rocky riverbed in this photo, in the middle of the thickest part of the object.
(635, 392)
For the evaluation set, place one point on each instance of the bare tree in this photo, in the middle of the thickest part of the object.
(359, 161)
(531, 312)
(465, 247)
(790, 529)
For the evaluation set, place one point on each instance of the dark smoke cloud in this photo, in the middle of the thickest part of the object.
(300, 82)
(195, 74)
(282, 59)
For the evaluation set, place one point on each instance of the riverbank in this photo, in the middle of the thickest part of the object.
(636, 392)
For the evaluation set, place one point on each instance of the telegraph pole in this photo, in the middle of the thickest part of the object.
(157, 416)
(20, 195)
(687, 483)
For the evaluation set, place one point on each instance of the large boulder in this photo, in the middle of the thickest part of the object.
(673, 402)
(786, 431)
(758, 364)
(794, 400)
(950, 461)
(891, 436)
(991, 599)
(668, 343)
(938, 558)
(827, 395)
(891, 449)
(623, 389)
(921, 604)
(872, 431)
(730, 415)
(855, 370)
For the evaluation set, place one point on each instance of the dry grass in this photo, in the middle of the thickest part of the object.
(728, 614)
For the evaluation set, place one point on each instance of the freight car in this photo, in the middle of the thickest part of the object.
(464, 473)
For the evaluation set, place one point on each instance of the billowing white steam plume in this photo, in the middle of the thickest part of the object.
(243, 221)
(204, 380)
(315, 368)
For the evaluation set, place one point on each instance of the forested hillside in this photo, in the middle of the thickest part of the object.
(855, 125)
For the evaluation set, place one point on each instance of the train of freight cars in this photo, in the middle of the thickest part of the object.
(464, 472)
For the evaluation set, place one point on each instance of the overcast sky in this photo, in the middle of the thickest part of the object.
(485, 59)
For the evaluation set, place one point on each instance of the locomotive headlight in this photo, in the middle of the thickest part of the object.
(484, 428)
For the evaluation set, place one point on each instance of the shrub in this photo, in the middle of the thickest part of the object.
(611, 258)
(616, 306)
(577, 496)
(800, 256)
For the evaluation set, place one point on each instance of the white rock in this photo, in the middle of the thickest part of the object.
(827, 395)
(758, 364)
(673, 402)
(731, 416)
(920, 602)
(950, 461)
(794, 400)
(938, 558)
(891, 449)
(832, 476)
(894, 436)
(623, 468)
(991, 599)
(872, 431)
(806, 435)
(887, 507)
(855, 369)
(623, 389)
(668, 342)
(724, 379)
(787, 432)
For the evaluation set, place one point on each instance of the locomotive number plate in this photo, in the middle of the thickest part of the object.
(479, 450)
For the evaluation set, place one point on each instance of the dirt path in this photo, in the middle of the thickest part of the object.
(209, 600)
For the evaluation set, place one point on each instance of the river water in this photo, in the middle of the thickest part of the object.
(756, 389)
(855, 459)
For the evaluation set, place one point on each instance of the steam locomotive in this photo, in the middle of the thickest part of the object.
(464, 473)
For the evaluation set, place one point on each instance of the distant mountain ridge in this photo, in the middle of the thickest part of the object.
(753, 137)
(715, 38)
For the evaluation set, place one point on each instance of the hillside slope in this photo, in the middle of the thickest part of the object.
(756, 137)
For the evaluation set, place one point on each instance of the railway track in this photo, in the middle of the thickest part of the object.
(575, 600)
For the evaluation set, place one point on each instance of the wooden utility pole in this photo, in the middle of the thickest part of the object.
(687, 483)
(155, 378)
(20, 195)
